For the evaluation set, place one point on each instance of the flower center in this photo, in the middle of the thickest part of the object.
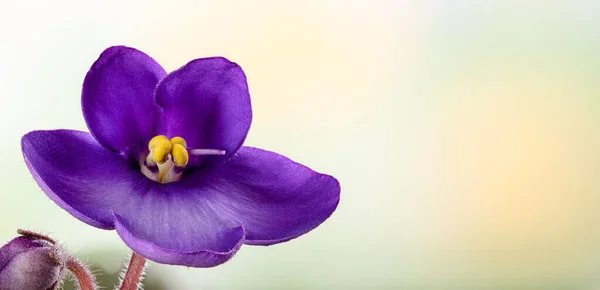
(168, 158)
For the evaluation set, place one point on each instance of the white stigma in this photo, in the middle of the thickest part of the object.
(206, 152)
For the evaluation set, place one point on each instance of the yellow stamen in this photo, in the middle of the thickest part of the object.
(168, 158)
(179, 154)
(156, 139)
(160, 150)
(179, 140)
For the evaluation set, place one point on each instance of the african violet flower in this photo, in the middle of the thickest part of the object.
(164, 164)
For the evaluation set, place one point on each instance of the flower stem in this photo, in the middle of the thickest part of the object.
(85, 279)
(133, 277)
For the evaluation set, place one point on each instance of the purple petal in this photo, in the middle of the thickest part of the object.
(80, 175)
(168, 223)
(229, 242)
(179, 223)
(208, 104)
(118, 99)
(273, 197)
(175, 224)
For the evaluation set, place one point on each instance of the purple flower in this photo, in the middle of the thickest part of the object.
(164, 164)
(29, 263)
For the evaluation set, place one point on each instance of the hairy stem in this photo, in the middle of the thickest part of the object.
(133, 277)
(84, 277)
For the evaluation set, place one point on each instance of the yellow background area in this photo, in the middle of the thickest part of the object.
(465, 134)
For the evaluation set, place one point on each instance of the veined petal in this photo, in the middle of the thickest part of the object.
(118, 99)
(80, 175)
(179, 223)
(228, 242)
(273, 197)
(208, 104)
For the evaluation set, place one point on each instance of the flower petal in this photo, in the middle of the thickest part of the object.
(273, 197)
(80, 175)
(118, 99)
(230, 242)
(208, 104)
(179, 223)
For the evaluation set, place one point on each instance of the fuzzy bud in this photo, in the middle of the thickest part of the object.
(29, 262)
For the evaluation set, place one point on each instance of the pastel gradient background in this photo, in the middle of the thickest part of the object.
(465, 134)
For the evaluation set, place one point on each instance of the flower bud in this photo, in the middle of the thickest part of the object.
(28, 262)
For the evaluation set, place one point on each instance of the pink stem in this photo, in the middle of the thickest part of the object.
(133, 277)
(85, 279)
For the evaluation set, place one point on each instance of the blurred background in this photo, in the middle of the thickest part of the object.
(465, 134)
